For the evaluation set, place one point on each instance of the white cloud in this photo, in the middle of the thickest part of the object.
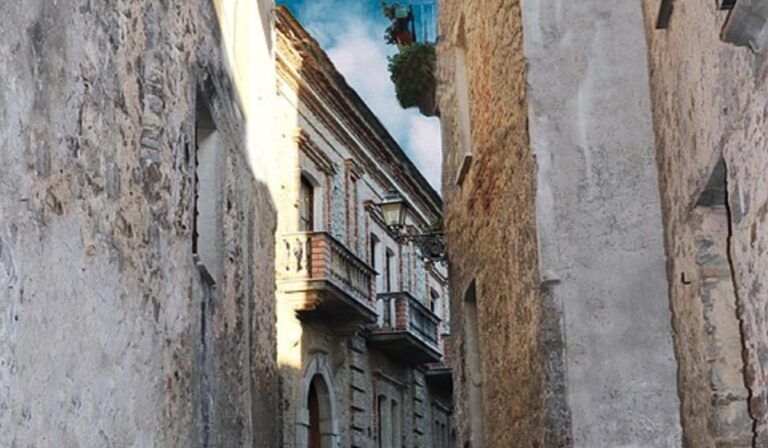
(424, 141)
(355, 43)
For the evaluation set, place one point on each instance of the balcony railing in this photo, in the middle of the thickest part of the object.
(407, 328)
(333, 279)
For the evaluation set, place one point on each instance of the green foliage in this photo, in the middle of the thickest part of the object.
(413, 72)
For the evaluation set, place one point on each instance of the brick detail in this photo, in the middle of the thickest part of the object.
(401, 313)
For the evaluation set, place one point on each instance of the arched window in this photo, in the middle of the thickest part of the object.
(434, 302)
(210, 158)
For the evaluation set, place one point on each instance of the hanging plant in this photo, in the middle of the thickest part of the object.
(412, 71)
(413, 68)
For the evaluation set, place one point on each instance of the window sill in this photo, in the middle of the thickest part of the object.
(464, 167)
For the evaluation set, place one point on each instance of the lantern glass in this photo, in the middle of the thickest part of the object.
(393, 209)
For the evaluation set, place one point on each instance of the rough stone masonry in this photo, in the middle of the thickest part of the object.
(111, 334)
(709, 111)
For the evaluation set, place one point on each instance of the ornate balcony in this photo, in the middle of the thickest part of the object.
(407, 330)
(327, 281)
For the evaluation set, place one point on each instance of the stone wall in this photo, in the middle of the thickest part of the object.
(709, 102)
(109, 333)
(490, 223)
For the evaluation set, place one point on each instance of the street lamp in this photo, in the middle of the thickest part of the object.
(431, 243)
(393, 209)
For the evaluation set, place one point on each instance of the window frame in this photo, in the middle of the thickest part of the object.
(388, 268)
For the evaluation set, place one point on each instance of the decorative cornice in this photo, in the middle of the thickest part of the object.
(311, 150)
(442, 406)
(389, 378)
(437, 275)
(354, 169)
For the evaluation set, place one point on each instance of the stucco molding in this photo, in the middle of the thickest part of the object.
(313, 152)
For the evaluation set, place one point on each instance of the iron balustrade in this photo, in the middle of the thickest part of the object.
(403, 312)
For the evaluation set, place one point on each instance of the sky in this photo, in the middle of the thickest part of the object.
(352, 33)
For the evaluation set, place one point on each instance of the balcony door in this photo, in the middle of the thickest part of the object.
(306, 206)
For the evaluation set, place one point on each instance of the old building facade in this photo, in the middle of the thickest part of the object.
(136, 227)
(362, 318)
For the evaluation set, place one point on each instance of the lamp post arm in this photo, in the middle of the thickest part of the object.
(431, 244)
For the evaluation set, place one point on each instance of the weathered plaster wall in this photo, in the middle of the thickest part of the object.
(709, 100)
(490, 224)
(599, 218)
(728, 418)
(103, 341)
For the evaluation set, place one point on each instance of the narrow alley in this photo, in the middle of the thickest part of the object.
(383, 224)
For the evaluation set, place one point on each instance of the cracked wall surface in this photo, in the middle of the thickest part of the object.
(709, 103)
(103, 341)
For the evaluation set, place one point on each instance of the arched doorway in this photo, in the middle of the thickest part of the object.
(320, 416)
(315, 434)
(316, 425)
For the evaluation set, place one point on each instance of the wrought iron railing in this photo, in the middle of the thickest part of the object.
(402, 311)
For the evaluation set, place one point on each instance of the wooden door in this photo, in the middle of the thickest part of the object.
(315, 437)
